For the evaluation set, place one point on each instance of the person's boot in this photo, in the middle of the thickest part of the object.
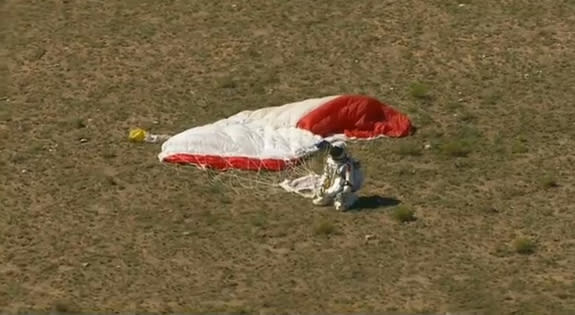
(321, 201)
(339, 203)
(345, 202)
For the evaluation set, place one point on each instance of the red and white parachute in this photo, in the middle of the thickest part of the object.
(275, 138)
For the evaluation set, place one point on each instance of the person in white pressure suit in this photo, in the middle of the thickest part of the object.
(341, 179)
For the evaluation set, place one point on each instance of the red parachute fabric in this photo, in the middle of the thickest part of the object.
(356, 116)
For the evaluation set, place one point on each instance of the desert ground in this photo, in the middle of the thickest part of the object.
(472, 214)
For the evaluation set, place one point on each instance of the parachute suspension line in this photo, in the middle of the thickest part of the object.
(239, 181)
(259, 182)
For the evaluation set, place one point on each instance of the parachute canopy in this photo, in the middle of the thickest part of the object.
(277, 137)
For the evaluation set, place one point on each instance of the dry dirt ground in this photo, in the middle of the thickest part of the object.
(92, 222)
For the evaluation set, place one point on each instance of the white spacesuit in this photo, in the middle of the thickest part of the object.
(342, 177)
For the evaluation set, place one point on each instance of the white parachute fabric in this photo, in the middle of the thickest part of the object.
(265, 133)
(305, 186)
(250, 139)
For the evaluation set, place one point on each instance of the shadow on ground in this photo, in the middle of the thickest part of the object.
(374, 202)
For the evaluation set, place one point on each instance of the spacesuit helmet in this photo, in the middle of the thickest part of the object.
(337, 153)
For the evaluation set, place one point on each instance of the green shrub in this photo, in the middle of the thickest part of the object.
(403, 214)
(524, 246)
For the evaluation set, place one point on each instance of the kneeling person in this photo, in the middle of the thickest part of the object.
(341, 179)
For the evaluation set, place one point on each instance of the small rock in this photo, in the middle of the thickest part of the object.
(186, 233)
(492, 210)
(369, 237)
(85, 265)
(427, 146)
(83, 140)
(461, 5)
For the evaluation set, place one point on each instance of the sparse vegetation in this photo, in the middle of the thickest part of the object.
(457, 148)
(453, 107)
(467, 116)
(491, 97)
(259, 220)
(325, 228)
(519, 147)
(419, 90)
(109, 155)
(210, 218)
(409, 149)
(548, 182)
(403, 214)
(227, 83)
(79, 123)
(460, 144)
(111, 180)
(405, 170)
(524, 246)
(64, 308)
